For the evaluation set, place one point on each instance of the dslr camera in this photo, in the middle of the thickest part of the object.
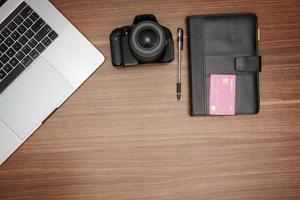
(146, 41)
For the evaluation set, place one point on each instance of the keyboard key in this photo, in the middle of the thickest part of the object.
(27, 61)
(17, 46)
(26, 12)
(53, 35)
(1, 64)
(15, 35)
(29, 34)
(26, 49)
(46, 41)
(23, 40)
(4, 59)
(21, 29)
(5, 32)
(1, 38)
(8, 41)
(34, 16)
(34, 54)
(10, 52)
(42, 33)
(12, 26)
(38, 25)
(12, 15)
(28, 23)
(40, 48)
(20, 55)
(18, 20)
(32, 43)
(11, 77)
(13, 62)
(7, 68)
(2, 74)
(3, 48)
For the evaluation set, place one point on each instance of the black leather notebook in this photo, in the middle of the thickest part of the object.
(224, 64)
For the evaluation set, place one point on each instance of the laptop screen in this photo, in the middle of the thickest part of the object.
(2, 2)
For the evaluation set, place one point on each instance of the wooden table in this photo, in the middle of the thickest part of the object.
(124, 136)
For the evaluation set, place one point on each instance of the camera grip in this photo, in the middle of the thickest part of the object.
(115, 47)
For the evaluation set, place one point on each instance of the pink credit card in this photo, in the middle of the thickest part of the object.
(222, 94)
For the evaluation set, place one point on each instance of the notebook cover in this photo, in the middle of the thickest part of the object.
(224, 45)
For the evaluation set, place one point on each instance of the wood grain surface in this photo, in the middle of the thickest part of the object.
(124, 136)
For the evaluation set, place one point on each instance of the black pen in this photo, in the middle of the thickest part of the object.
(180, 48)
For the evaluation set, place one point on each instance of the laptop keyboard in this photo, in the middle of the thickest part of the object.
(24, 35)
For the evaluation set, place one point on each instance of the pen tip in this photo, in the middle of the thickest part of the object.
(178, 97)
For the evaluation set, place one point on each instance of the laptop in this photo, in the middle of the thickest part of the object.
(43, 60)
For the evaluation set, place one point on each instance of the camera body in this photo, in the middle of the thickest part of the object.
(146, 41)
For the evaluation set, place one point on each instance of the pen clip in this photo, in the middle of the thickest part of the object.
(180, 38)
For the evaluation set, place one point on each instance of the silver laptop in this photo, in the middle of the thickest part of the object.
(43, 60)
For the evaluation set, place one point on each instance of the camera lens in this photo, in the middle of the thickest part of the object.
(147, 38)
(147, 41)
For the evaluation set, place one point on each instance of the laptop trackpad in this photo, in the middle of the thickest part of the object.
(33, 97)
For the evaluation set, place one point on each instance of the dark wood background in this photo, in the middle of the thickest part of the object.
(123, 135)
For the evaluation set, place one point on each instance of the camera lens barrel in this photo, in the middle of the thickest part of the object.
(147, 41)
